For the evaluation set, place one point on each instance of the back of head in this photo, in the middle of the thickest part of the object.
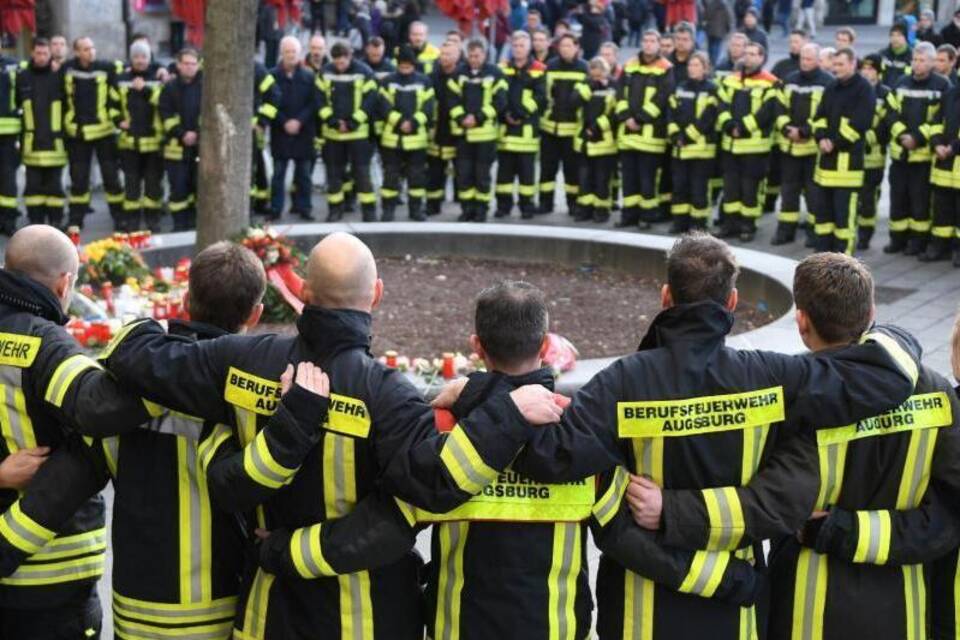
(836, 292)
(226, 282)
(699, 268)
(511, 321)
(342, 273)
(43, 253)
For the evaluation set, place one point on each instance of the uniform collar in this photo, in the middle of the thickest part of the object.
(26, 294)
(195, 330)
(483, 384)
(329, 331)
(706, 321)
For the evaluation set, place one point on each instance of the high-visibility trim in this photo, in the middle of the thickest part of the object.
(899, 225)
(307, 553)
(73, 545)
(648, 457)
(833, 460)
(705, 573)
(195, 528)
(464, 463)
(255, 614)
(453, 540)
(748, 623)
(562, 581)
(726, 518)
(916, 471)
(873, 537)
(175, 613)
(111, 453)
(754, 440)
(31, 575)
(15, 423)
(847, 131)
(638, 604)
(898, 353)
(127, 630)
(18, 350)
(608, 504)
(209, 445)
(920, 411)
(788, 216)
(408, 511)
(915, 599)
(64, 375)
(251, 392)
(347, 415)
(119, 338)
(22, 531)
(809, 596)
(261, 467)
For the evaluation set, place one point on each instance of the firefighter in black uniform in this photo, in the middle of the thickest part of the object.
(800, 96)
(266, 97)
(40, 98)
(479, 96)
(408, 109)
(945, 176)
(141, 136)
(350, 98)
(53, 392)
(442, 150)
(896, 58)
(180, 104)
(10, 128)
(519, 140)
(875, 154)
(375, 57)
(595, 143)
(91, 109)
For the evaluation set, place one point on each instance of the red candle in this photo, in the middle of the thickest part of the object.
(391, 359)
(74, 232)
(448, 371)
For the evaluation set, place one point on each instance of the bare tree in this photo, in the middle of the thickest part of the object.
(225, 146)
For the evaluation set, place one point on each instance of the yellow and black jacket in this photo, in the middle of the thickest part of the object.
(693, 111)
(482, 94)
(894, 65)
(350, 96)
(406, 97)
(40, 98)
(878, 137)
(644, 95)
(266, 98)
(944, 602)
(526, 99)
(844, 117)
(561, 117)
(946, 131)
(141, 109)
(180, 104)
(913, 106)
(443, 141)
(92, 101)
(799, 97)
(379, 434)
(598, 112)
(748, 102)
(426, 57)
(10, 124)
(883, 480)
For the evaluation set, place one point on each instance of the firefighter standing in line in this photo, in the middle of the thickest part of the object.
(945, 176)
(478, 97)
(10, 128)
(375, 57)
(799, 96)
(912, 108)
(425, 52)
(645, 89)
(90, 86)
(407, 110)
(349, 95)
(875, 154)
(596, 144)
(442, 149)
(560, 124)
(180, 103)
(748, 99)
(40, 98)
(519, 137)
(266, 96)
(896, 57)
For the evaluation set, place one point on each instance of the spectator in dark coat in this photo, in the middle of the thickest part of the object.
(927, 29)
(951, 32)
(718, 23)
(268, 32)
(596, 29)
(753, 32)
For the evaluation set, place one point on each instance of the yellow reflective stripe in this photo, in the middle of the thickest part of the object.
(15, 423)
(833, 460)
(648, 458)
(64, 375)
(916, 470)
(127, 630)
(754, 440)
(748, 623)
(258, 600)
(637, 607)
(809, 596)
(73, 545)
(453, 540)
(408, 511)
(261, 467)
(21, 531)
(726, 518)
(195, 527)
(897, 352)
(562, 581)
(356, 609)
(56, 572)
(464, 463)
(175, 613)
(608, 504)
(873, 537)
(209, 445)
(915, 598)
(307, 553)
(705, 573)
(918, 412)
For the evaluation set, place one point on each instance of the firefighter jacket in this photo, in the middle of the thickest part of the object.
(913, 106)
(40, 99)
(349, 97)
(51, 389)
(180, 104)
(718, 429)
(895, 65)
(644, 96)
(91, 99)
(748, 105)
(526, 99)
(379, 432)
(406, 98)
(140, 109)
(426, 57)
(881, 527)
(443, 141)
(297, 99)
(266, 101)
(944, 602)
(381, 69)
(598, 110)
(844, 117)
(480, 93)
(878, 137)
(9, 109)
(800, 96)
(946, 131)
(693, 110)
(561, 117)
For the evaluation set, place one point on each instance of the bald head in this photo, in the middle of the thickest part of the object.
(42, 253)
(342, 274)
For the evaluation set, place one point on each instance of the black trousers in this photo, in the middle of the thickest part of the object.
(773, 185)
(743, 176)
(596, 175)
(143, 185)
(397, 165)
(946, 216)
(869, 198)
(554, 153)
(836, 219)
(522, 168)
(437, 180)
(182, 176)
(341, 156)
(9, 162)
(691, 191)
(79, 620)
(910, 197)
(260, 181)
(796, 175)
(43, 195)
(473, 165)
(640, 175)
(80, 154)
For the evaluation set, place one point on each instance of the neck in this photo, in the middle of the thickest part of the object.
(520, 369)
(520, 62)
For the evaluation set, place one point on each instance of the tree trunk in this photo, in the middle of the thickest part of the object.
(223, 206)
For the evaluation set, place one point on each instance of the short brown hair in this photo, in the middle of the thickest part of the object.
(700, 267)
(836, 292)
(511, 321)
(226, 282)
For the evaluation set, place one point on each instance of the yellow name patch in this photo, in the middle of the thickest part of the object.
(348, 416)
(698, 416)
(922, 411)
(18, 350)
(251, 392)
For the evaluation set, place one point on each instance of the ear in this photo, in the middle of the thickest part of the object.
(186, 301)
(732, 300)
(666, 297)
(254, 317)
(476, 346)
(803, 323)
(544, 346)
(62, 286)
(377, 294)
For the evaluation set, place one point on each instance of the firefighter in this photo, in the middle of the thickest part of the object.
(478, 97)
(407, 112)
(10, 128)
(53, 394)
(645, 90)
(90, 86)
(378, 429)
(912, 107)
(693, 140)
(425, 52)
(876, 520)
(799, 96)
(595, 143)
(40, 98)
(442, 151)
(375, 57)
(179, 106)
(559, 124)
(141, 136)
(266, 97)
(945, 177)
(896, 57)
(349, 96)
(875, 154)
(519, 139)
(748, 100)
